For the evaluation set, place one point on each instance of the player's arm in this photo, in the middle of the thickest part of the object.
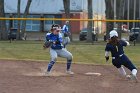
(47, 37)
(107, 55)
(47, 42)
(125, 43)
(63, 29)
(107, 49)
(128, 44)
(60, 39)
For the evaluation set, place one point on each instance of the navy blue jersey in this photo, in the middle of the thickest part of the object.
(55, 38)
(116, 50)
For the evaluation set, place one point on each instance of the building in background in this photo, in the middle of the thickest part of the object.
(46, 9)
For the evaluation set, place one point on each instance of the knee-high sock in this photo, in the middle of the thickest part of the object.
(134, 72)
(68, 64)
(50, 65)
(122, 71)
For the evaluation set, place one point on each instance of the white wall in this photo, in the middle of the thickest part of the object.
(44, 6)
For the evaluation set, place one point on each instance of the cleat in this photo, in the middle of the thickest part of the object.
(70, 72)
(47, 73)
(134, 78)
(128, 77)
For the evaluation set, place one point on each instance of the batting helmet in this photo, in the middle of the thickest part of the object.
(113, 33)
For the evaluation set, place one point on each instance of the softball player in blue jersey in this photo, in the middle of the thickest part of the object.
(57, 49)
(115, 46)
(66, 33)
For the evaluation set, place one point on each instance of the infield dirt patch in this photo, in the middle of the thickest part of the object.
(27, 77)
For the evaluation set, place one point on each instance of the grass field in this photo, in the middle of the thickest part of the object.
(82, 52)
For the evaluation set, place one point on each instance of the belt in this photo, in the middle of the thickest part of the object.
(113, 57)
(119, 56)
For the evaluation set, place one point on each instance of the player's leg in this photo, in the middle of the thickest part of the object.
(122, 71)
(66, 40)
(53, 55)
(128, 64)
(118, 65)
(66, 54)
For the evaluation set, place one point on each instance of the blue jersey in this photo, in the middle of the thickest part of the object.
(65, 29)
(116, 50)
(55, 38)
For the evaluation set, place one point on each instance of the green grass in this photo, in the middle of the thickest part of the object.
(85, 53)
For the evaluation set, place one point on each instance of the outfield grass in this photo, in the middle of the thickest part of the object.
(82, 52)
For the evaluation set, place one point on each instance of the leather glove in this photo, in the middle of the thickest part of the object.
(47, 44)
(57, 42)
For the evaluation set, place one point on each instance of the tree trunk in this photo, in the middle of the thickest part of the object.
(24, 21)
(90, 23)
(18, 12)
(109, 15)
(66, 4)
(3, 32)
(42, 23)
(119, 11)
(10, 21)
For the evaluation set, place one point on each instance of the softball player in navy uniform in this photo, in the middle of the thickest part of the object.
(57, 49)
(115, 46)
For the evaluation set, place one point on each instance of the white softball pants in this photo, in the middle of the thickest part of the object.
(60, 53)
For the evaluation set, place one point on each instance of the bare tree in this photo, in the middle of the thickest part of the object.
(42, 23)
(66, 4)
(18, 13)
(109, 15)
(3, 32)
(119, 14)
(24, 21)
(90, 23)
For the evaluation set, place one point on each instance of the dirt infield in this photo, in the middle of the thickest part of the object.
(27, 77)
